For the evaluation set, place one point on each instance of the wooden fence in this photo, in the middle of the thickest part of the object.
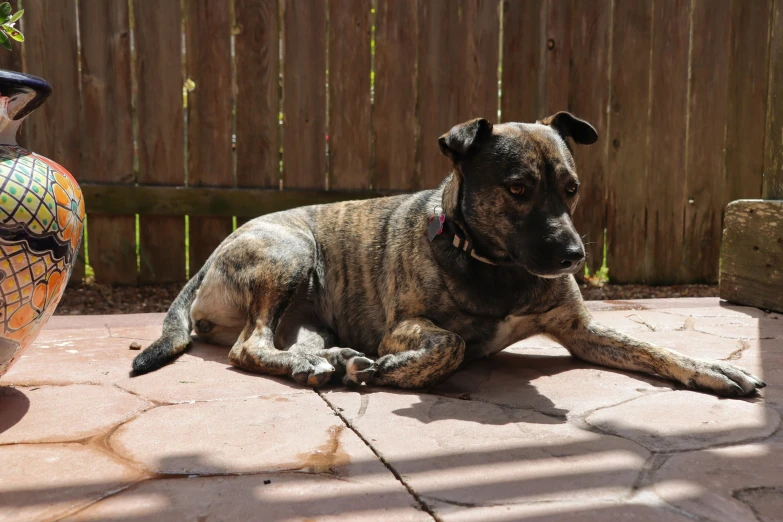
(288, 102)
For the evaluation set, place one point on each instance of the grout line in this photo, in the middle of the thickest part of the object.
(419, 500)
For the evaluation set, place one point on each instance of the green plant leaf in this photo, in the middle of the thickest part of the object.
(17, 16)
(5, 9)
(13, 33)
(4, 41)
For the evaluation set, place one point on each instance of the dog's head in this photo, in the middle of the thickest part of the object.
(514, 188)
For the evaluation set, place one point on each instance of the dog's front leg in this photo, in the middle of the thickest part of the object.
(418, 354)
(593, 342)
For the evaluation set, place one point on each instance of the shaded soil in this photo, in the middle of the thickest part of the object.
(94, 299)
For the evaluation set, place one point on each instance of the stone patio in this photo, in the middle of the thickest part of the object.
(530, 434)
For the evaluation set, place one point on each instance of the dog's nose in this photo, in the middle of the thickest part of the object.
(571, 257)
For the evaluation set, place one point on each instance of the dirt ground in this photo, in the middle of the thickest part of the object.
(96, 299)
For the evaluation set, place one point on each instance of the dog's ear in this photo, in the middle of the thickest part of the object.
(461, 138)
(569, 126)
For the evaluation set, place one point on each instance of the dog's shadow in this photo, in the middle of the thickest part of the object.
(507, 381)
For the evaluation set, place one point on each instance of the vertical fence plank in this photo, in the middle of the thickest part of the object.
(438, 107)
(706, 135)
(304, 94)
(587, 98)
(773, 144)
(258, 88)
(257, 56)
(107, 155)
(456, 42)
(747, 99)
(161, 138)
(558, 55)
(394, 114)
(630, 87)
(349, 94)
(524, 44)
(668, 120)
(55, 129)
(208, 52)
(480, 51)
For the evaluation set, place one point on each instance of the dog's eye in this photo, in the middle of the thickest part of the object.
(517, 190)
(572, 188)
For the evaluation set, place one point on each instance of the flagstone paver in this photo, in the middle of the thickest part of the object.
(47, 481)
(737, 483)
(530, 434)
(65, 413)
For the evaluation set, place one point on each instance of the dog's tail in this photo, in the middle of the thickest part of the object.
(176, 329)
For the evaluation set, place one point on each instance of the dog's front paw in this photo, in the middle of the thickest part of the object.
(358, 369)
(724, 379)
(316, 372)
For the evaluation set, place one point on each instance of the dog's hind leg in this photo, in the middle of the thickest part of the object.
(418, 354)
(255, 351)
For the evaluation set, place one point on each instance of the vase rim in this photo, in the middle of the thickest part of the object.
(31, 91)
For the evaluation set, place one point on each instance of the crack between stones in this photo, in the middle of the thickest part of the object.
(739, 493)
(639, 320)
(421, 504)
(737, 354)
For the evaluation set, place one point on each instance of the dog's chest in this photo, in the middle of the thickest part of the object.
(508, 331)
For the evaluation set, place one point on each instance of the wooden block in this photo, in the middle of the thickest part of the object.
(751, 258)
(161, 136)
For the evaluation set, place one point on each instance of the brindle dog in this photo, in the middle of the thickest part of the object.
(308, 292)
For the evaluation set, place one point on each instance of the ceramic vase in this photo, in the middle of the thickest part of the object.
(41, 219)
